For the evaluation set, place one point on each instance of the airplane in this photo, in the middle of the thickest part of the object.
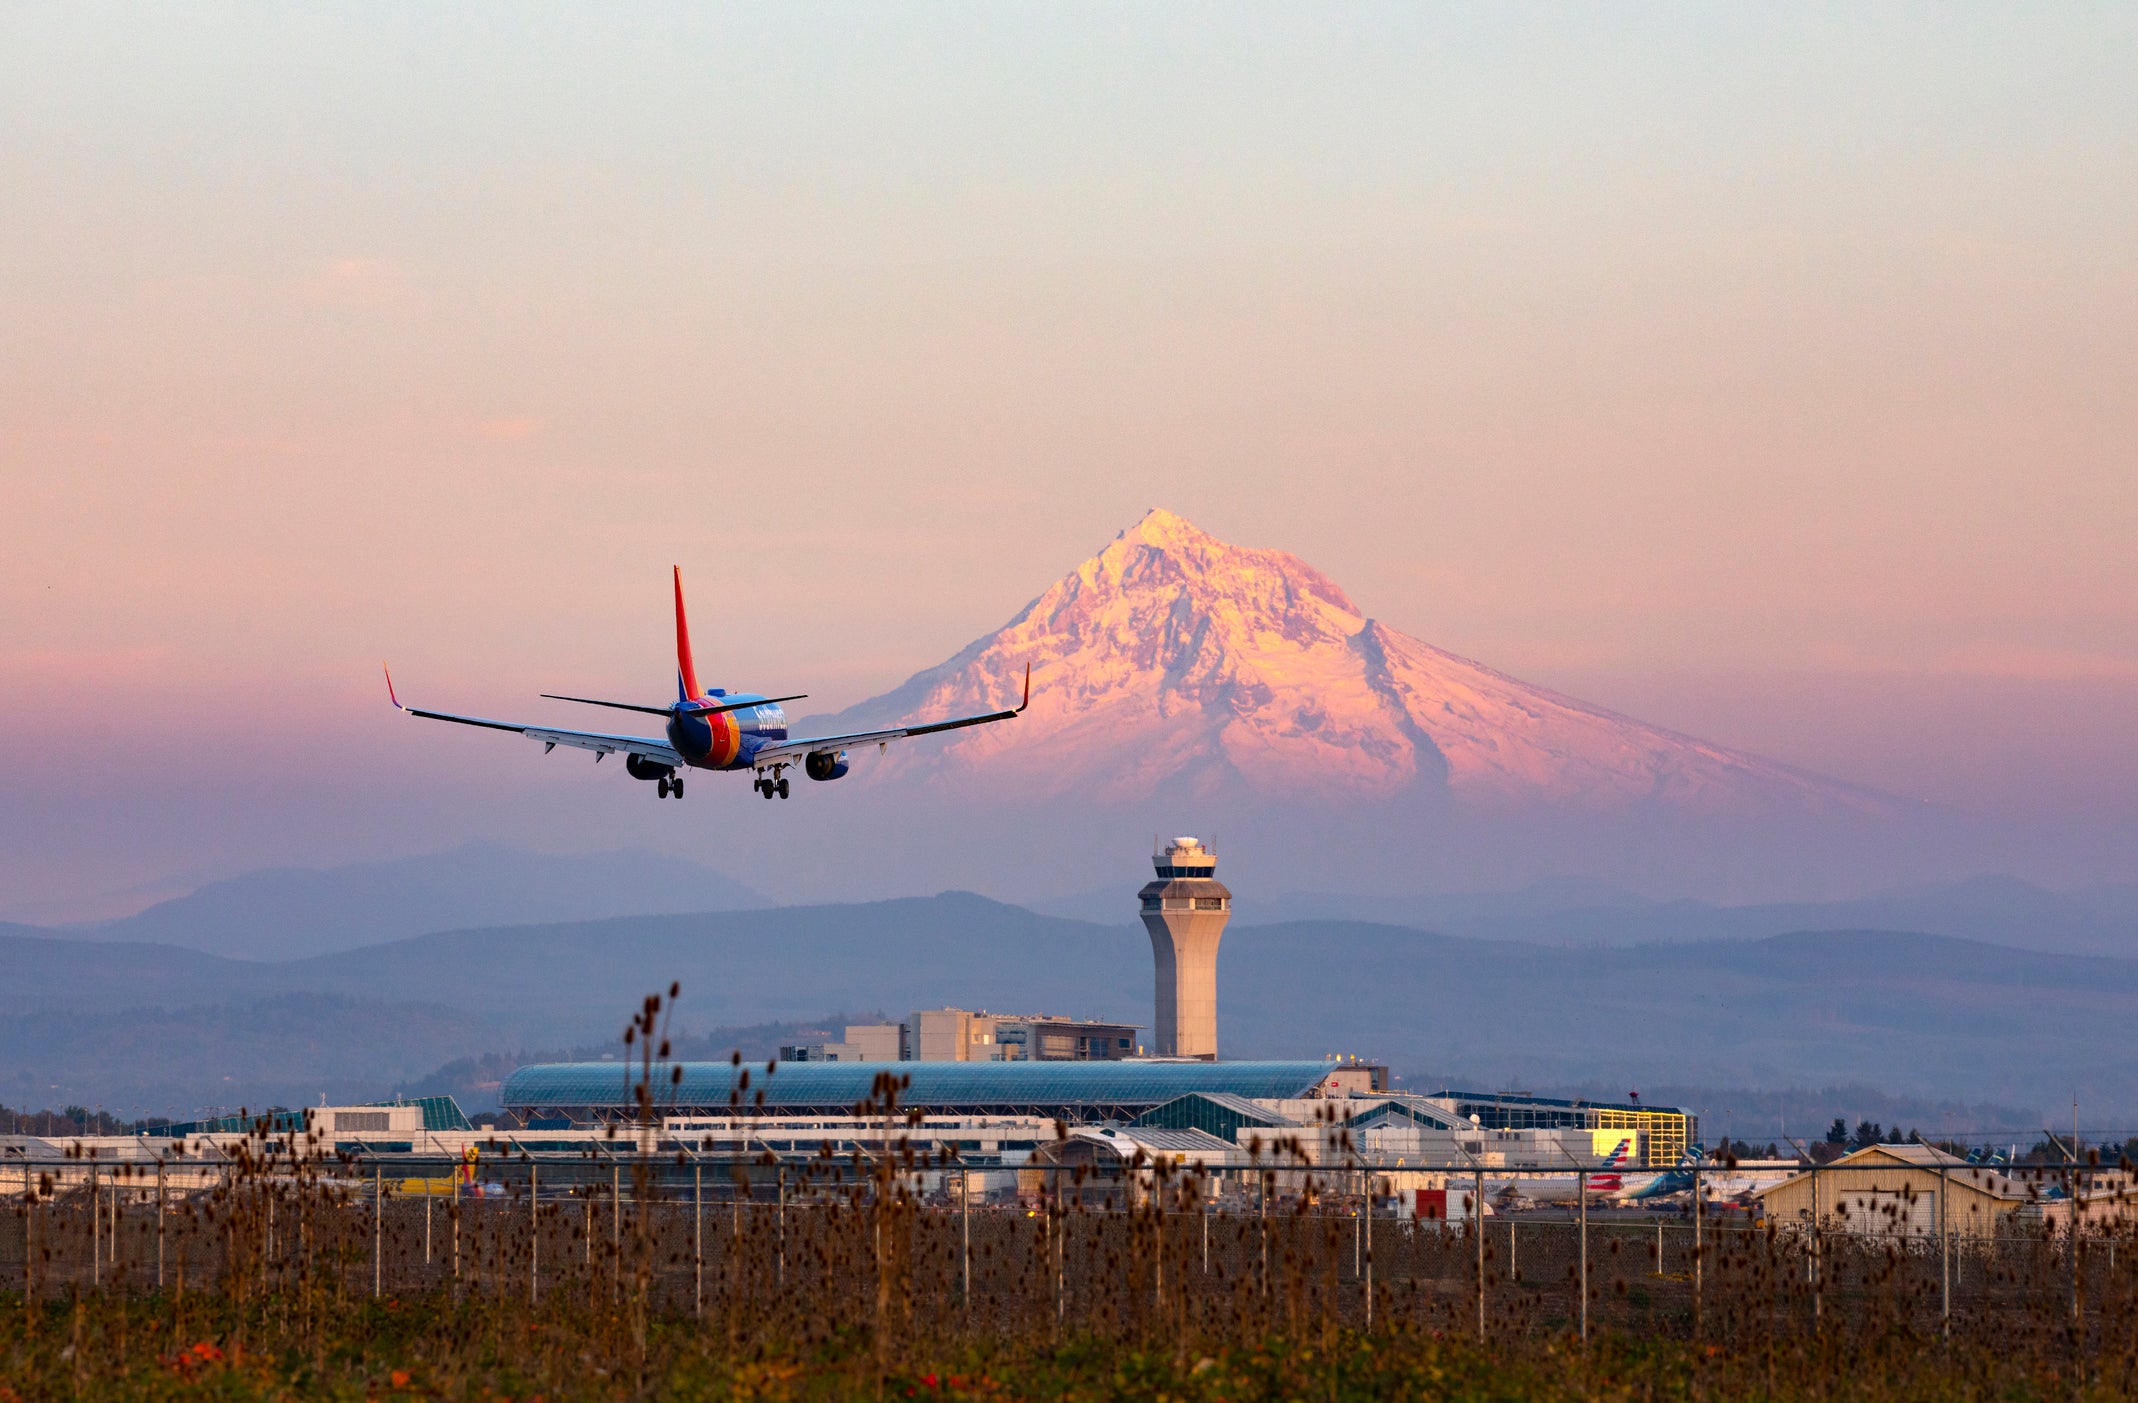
(1603, 1182)
(1675, 1180)
(1722, 1185)
(715, 729)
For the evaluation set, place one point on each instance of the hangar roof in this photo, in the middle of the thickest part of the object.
(1083, 1090)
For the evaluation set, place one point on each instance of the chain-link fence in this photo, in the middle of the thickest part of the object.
(805, 1250)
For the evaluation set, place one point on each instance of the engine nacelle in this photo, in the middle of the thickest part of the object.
(824, 764)
(640, 767)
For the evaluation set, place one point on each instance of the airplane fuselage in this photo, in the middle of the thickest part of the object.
(727, 740)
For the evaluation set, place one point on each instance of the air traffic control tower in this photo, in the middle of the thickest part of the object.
(1185, 911)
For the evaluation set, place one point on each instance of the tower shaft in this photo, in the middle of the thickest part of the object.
(1185, 911)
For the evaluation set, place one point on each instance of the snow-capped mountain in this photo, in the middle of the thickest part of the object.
(1174, 661)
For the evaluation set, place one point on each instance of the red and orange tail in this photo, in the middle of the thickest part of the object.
(686, 670)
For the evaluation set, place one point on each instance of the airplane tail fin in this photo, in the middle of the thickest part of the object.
(686, 670)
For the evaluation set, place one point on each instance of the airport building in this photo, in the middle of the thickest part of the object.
(962, 1035)
(1901, 1191)
(864, 1042)
(1077, 1093)
(958, 1035)
(1662, 1134)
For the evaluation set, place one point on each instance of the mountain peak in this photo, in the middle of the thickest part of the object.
(1174, 659)
(1164, 529)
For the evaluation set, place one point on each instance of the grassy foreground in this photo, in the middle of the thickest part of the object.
(201, 1346)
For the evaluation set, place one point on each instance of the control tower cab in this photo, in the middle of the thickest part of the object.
(1185, 911)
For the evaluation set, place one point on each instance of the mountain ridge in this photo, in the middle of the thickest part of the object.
(1915, 1013)
(295, 912)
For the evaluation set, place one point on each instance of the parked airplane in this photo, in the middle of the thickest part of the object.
(1604, 1181)
(1675, 1180)
(1721, 1185)
(716, 729)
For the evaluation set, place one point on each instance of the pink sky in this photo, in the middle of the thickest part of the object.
(1766, 376)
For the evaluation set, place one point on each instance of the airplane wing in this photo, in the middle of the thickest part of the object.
(794, 749)
(600, 742)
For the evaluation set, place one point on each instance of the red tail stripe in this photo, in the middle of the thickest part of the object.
(684, 665)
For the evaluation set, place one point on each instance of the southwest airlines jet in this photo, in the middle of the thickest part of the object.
(715, 730)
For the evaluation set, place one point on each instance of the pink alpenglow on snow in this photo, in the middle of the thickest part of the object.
(1173, 656)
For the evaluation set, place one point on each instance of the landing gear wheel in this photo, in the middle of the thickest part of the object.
(663, 787)
(675, 786)
(782, 788)
(764, 787)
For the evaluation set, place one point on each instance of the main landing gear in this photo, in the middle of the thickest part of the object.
(770, 787)
(671, 785)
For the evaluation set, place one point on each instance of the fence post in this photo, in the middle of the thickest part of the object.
(378, 1221)
(456, 1230)
(534, 1231)
(427, 1197)
(29, 1245)
(1367, 1213)
(1818, 1275)
(159, 1219)
(2071, 1228)
(965, 1241)
(96, 1227)
(1944, 1254)
(616, 1231)
(1262, 1220)
(697, 1241)
(1583, 1189)
(1158, 1239)
(1699, 1266)
(1477, 1227)
(29, 1235)
(779, 1189)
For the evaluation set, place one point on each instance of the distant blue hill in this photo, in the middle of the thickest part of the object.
(289, 913)
(1996, 909)
(1912, 1014)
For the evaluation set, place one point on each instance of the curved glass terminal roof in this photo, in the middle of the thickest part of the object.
(705, 1086)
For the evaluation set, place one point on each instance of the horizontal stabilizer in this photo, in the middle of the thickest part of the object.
(721, 708)
(620, 706)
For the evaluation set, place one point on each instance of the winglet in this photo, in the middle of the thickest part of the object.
(389, 688)
(686, 670)
(1027, 689)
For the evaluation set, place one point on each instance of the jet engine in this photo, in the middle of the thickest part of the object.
(640, 767)
(824, 764)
